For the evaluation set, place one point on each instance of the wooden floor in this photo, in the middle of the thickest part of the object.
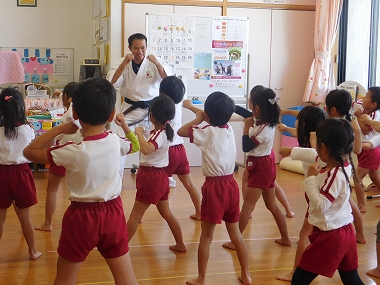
(154, 263)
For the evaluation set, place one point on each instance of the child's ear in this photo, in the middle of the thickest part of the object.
(112, 116)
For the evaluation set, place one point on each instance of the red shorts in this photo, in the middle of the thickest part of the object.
(152, 185)
(17, 183)
(369, 159)
(330, 250)
(57, 170)
(178, 163)
(89, 225)
(261, 171)
(220, 200)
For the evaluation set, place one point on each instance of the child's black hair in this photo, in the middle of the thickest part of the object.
(219, 108)
(342, 101)
(69, 89)
(12, 111)
(173, 87)
(163, 110)
(375, 95)
(94, 101)
(308, 120)
(266, 99)
(338, 137)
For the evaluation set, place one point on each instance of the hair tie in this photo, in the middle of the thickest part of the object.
(274, 100)
(6, 98)
(167, 122)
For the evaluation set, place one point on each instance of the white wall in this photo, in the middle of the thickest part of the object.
(52, 24)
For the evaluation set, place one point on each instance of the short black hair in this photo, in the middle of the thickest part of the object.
(94, 100)
(308, 120)
(69, 89)
(219, 108)
(173, 87)
(137, 36)
(375, 95)
(342, 101)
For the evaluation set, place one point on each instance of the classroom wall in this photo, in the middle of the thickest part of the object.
(53, 24)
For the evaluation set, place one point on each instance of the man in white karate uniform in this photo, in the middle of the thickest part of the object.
(138, 77)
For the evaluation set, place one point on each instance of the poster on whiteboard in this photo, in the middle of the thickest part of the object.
(209, 53)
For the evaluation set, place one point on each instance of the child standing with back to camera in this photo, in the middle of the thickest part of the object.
(152, 182)
(15, 175)
(96, 211)
(258, 137)
(333, 242)
(220, 192)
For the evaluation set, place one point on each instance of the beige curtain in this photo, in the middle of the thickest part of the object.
(321, 76)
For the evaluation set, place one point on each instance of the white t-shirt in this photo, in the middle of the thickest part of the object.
(263, 136)
(160, 157)
(307, 156)
(92, 166)
(11, 151)
(329, 194)
(218, 148)
(176, 123)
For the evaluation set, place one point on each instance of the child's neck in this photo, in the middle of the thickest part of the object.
(90, 130)
(369, 110)
(159, 126)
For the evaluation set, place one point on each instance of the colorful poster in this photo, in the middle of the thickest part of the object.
(202, 65)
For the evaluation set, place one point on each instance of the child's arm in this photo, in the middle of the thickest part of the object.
(247, 142)
(357, 148)
(285, 128)
(289, 112)
(358, 114)
(145, 146)
(184, 130)
(190, 106)
(365, 119)
(36, 150)
(119, 120)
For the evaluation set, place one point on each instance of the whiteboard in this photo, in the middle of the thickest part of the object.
(208, 52)
(52, 67)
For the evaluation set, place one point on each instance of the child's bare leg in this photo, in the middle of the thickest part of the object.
(376, 271)
(270, 203)
(281, 196)
(375, 177)
(122, 271)
(54, 181)
(358, 222)
(203, 252)
(164, 209)
(135, 217)
(195, 195)
(241, 250)
(3, 216)
(28, 231)
(301, 246)
(67, 272)
(359, 190)
(244, 185)
(251, 197)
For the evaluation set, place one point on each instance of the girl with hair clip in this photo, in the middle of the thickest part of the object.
(328, 192)
(152, 182)
(15, 174)
(258, 136)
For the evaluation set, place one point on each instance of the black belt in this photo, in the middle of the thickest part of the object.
(135, 105)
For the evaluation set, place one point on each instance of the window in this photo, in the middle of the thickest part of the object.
(358, 43)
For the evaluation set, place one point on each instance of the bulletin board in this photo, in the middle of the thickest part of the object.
(209, 53)
(52, 67)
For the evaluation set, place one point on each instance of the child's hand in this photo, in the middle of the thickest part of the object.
(314, 169)
(313, 140)
(285, 151)
(283, 111)
(187, 104)
(282, 127)
(364, 119)
(119, 120)
(358, 113)
(367, 145)
(139, 130)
